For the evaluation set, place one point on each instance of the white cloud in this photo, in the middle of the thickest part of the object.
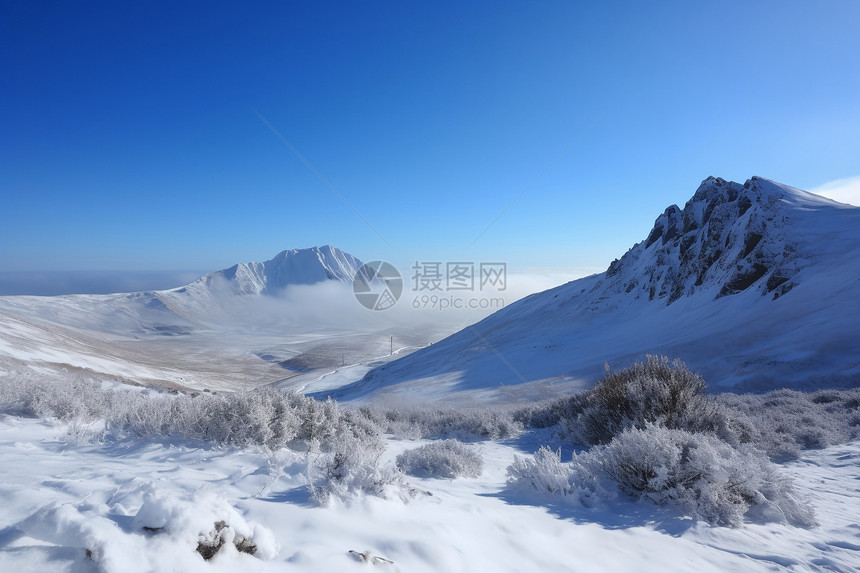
(842, 190)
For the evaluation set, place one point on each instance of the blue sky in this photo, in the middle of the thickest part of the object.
(129, 139)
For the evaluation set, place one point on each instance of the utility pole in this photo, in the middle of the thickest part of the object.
(390, 352)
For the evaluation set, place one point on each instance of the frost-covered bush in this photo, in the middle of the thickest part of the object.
(353, 468)
(545, 474)
(785, 422)
(264, 417)
(267, 417)
(434, 423)
(441, 459)
(553, 412)
(70, 398)
(654, 392)
(700, 473)
(659, 392)
(695, 472)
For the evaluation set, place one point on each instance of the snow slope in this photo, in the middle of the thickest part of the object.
(755, 285)
(62, 500)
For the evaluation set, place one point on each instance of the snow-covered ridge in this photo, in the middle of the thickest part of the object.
(290, 267)
(728, 238)
(753, 285)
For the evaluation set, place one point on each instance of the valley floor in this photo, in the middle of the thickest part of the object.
(71, 507)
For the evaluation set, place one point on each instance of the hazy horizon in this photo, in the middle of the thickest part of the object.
(65, 282)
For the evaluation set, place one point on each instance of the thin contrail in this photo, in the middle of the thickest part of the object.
(535, 180)
(317, 173)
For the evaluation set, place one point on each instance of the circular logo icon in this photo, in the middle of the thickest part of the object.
(377, 285)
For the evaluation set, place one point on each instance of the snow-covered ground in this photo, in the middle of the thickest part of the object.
(77, 507)
(227, 344)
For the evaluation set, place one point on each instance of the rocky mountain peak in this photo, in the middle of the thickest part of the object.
(290, 267)
(728, 238)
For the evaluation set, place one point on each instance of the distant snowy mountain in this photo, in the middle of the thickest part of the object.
(291, 267)
(754, 285)
(212, 332)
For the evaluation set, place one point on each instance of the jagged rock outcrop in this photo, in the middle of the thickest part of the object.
(728, 238)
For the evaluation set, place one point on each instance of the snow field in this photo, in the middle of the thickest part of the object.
(60, 500)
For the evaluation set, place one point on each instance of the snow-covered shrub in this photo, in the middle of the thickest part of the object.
(553, 412)
(702, 474)
(404, 429)
(697, 473)
(353, 468)
(240, 419)
(433, 423)
(264, 417)
(66, 397)
(654, 392)
(267, 417)
(441, 459)
(146, 416)
(471, 424)
(784, 422)
(545, 474)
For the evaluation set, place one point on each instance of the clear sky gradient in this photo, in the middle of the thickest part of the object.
(129, 138)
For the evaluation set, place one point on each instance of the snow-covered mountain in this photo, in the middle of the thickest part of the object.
(291, 267)
(203, 301)
(726, 239)
(211, 332)
(756, 285)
